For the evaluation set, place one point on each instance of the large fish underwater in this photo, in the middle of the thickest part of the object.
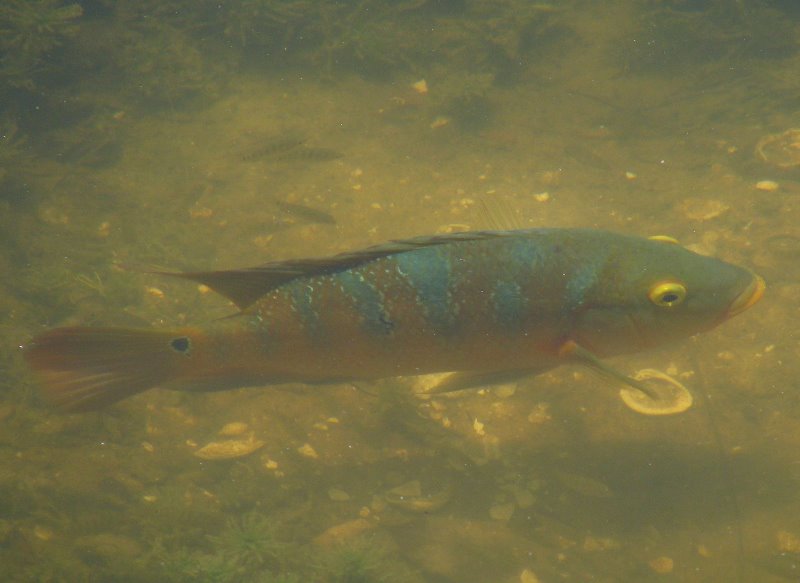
(489, 305)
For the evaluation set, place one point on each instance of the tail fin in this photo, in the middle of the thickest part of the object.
(83, 369)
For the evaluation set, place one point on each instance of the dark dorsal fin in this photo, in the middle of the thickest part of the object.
(244, 286)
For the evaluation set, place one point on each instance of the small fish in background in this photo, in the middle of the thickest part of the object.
(488, 304)
(299, 212)
(287, 148)
(258, 147)
(310, 154)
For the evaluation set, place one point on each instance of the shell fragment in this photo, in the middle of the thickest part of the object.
(673, 396)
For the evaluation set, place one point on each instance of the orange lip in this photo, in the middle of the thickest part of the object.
(749, 296)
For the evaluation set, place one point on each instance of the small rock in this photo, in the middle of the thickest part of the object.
(767, 185)
(420, 87)
(788, 542)
(233, 429)
(230, 448)
(502, 512)
(308, 451)
(662, 565)
(338, 495)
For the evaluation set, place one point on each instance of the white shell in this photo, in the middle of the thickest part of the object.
(675, 398)
(229, 448)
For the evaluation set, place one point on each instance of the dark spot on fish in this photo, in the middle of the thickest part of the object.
(182, 345)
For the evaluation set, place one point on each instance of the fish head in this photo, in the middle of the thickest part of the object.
(651, 293)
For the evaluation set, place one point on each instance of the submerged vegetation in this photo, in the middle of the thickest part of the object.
(250, 545)
(162, 48)
(251, 549)
(688, 33)
(363, 560)
(30, 30)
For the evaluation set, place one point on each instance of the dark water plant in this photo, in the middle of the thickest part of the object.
(363, 560)
(262, 22)
(164, 65)
(377, 38)
(250, 544)
(687, 33)
(29, 31)
(14, 154)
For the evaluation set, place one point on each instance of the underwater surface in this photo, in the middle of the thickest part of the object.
(138, 136)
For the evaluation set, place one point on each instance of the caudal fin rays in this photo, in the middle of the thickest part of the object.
(83, 369)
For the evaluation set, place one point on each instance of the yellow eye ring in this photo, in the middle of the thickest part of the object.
(667, 294)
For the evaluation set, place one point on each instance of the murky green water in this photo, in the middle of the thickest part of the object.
(197, 135)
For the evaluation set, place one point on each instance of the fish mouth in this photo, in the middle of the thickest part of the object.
(749, 296)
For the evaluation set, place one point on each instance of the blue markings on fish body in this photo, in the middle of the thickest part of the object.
(522, 256)
(302, 296)
(509, 305)
(259, 326)
(579, 282)
(367, 300)
(429, 272)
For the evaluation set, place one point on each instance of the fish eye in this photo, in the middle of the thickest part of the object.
(667, 293)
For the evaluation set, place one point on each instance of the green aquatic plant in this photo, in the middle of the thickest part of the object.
(29, 31)
(492, 37)
(247, 549)
(165, 66)
(262, 22)
(249, 544)
(215, 569)
(182, 565)
(363, 560)
(371, 36)
(171, 566)
(684, 33)
(379, 38)
(495, 34)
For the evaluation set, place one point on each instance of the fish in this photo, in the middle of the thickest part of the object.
(485, 304)
(305, 213)
(258, 148)
(310, 154)
(289, 148)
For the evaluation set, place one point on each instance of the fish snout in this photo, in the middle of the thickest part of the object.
(749, 296)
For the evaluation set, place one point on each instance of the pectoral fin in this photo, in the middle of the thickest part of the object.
(575, 352)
